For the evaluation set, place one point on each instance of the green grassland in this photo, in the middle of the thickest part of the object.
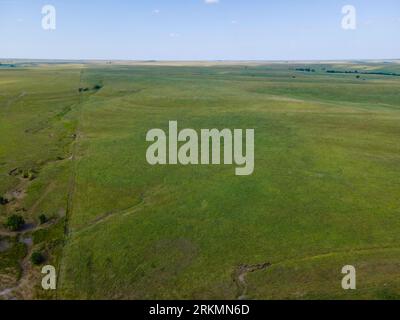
(325, 191)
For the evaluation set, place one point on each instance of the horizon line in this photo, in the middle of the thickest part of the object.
(200, 60)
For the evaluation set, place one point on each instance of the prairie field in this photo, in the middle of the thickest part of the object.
(324, 194)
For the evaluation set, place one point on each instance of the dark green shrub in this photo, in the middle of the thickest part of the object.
(37, 258)
(15, 222)
(3, 201)
(43, 219)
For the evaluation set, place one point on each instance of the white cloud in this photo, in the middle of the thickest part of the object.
(211, 1)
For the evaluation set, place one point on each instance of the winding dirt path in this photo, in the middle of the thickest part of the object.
(240, 277)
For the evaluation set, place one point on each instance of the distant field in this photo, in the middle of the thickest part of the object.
(325, 191)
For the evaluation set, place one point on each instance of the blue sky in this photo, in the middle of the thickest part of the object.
(195, 30)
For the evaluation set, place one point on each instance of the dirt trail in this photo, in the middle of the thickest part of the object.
(72, 180)
(48, 190)
(240, 277)
(29, 228)
(109, 215)
(14, 204)
(15, 196)
(340, 252)
(23, 287)
(17, 291)
(13, 100)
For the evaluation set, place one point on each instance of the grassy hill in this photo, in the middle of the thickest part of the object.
(324, 194)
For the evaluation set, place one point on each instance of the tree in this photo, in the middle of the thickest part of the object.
(15, 222)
